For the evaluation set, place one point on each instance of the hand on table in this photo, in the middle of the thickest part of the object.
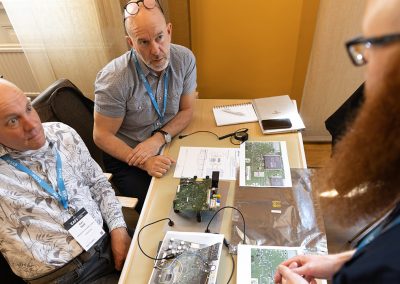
(158, 166)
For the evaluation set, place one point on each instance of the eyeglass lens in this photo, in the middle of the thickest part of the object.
(357, 52)
(132, 8)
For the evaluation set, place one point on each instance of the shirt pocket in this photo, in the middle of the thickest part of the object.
(139, 112)
(174, 100)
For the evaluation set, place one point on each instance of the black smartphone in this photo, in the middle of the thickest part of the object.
(279, 123)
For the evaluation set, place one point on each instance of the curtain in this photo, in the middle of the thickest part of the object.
(70, 39)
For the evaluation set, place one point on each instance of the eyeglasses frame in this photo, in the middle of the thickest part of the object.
(137, 3)
(377, 41)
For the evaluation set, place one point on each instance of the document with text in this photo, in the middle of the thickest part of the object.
(202, 161)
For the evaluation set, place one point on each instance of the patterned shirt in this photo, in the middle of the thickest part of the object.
(32, 236)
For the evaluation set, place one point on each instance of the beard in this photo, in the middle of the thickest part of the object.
(154, 67)
(364, 169)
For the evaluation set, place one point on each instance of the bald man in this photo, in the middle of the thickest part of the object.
(54, 199)
(143, 99)
(364, 170)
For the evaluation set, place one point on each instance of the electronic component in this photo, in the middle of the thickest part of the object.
(197, 195)
(195, 259)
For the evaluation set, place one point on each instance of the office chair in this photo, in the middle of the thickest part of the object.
(63, 101)
(338, 122)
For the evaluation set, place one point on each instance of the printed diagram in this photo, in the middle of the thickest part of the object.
(264, 164)
(202, 161)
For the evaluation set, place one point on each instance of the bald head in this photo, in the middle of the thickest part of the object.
(20, 125)
(150, 36)
(381, 17)
(144, 15)
(7, 88)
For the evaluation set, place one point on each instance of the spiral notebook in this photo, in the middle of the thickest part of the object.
(234, 114)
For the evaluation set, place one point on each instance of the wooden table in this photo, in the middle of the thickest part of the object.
(138, 268)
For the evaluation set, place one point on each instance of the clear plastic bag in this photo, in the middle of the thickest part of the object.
(280, 216)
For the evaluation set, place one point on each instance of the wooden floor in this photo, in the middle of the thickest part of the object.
(317, 154)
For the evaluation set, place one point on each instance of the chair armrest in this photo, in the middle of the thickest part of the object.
(129, 202)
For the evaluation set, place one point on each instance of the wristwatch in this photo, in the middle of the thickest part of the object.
(167, 136)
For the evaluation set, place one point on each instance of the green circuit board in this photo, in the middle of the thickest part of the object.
(195, 195)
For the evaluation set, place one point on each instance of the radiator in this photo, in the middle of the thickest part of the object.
(15, 68)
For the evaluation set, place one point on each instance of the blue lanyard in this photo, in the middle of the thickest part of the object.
(62, 196)
(150, 92)
(377, 231)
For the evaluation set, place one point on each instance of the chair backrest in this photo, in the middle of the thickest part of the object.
(338, 122)
(63, 101)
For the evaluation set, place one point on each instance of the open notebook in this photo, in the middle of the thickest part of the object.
(234, 114)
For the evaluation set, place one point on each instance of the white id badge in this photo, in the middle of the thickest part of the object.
(84, 229)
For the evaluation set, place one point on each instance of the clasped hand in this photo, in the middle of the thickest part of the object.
(143, 151)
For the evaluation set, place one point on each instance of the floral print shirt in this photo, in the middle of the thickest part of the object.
(32, 235)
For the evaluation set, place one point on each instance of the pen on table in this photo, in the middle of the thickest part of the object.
(233, 112)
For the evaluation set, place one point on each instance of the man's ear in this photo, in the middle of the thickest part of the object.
(169, 29)
(130, 41)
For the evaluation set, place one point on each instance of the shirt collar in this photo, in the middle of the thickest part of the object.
(4, 150)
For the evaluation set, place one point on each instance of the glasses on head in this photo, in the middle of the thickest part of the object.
(132, 8)
(357, 47)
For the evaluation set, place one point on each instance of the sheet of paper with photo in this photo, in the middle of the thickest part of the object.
(264, 164)
(257, 264)
(202, 161)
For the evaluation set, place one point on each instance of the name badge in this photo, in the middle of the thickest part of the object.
(84, 229)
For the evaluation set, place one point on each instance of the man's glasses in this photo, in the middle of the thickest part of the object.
(132, 8)
(357, 47)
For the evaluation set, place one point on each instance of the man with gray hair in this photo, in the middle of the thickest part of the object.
(143, 99)
(60, 219)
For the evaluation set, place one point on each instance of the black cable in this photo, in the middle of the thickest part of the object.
(233, 269)
(205, 131)
(169, 256)
(232, 139)
(240, 135)
(244, 222)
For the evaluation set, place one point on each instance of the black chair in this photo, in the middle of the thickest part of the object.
(338, 122)
(63, 101)
(6, 274)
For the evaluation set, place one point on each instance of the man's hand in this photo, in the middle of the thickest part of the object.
(120, 242)
(144, 150)
(290, 277)
(157, 166)
(314, 266)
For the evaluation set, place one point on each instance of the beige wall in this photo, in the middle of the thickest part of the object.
(252, 50)
(331, 77)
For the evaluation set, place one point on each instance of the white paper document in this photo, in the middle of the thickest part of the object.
(264, 164)
(202, 161)
(257, 264)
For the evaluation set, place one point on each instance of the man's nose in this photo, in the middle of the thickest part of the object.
(154, 48)
(28, 124)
